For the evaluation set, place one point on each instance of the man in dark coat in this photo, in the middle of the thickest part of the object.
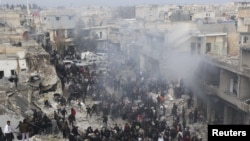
(25, 129)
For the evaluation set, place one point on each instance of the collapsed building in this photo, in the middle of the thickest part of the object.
(21, 59)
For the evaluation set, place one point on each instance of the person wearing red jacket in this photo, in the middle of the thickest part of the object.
(73, 113)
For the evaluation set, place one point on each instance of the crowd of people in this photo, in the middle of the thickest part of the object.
(139, 101)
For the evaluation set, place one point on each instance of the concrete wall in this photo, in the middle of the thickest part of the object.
(216, 27)
(244, 88)
(218, 44)
(245, 58)
(225, 80)
(12, 65)
(233, 116)
(101, 33)
(210, 112)
(54, 22)
(228, 115)
(11, 17)
(244, 12)
(198, 41)
(147, 12)
(202, 15)
(171, 26)
(233, 44)
(140, 11)
(242, 27)
(246, 119)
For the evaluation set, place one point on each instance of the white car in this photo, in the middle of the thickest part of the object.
(82, 64)
(67, 61)
(71, 61)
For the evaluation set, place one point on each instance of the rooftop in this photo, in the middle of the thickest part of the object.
(57, 13)
(6, 49)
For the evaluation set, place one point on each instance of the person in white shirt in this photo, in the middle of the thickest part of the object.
(8, 131)
(160, 137)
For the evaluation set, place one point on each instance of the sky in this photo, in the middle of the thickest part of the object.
(74, 3)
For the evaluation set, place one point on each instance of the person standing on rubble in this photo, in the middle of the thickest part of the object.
(174, 110)
(63, 112)
(24, 129)
(59, 108)
(89, 112)
(105, 120)
(54, 126)
(46, 101)
(16, 80)
(65, 129)
(8, 131)
(73, 114)
(2, 137)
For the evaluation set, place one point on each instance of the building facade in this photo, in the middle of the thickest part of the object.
(13, 60)
(225, 80)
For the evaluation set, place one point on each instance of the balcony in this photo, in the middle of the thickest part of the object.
(242, 105)
(226, 96)
(245, 70)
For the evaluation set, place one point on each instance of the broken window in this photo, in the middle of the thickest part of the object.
(245, 38)
(47, 34)
(13, 72)
(212, 75)
(57, 18)
(1, 74)
(208, 47)
(233, 86)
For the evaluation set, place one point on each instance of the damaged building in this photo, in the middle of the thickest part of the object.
(223, 91)
(14, 61)
(59, 27)
(225, 79)
(23, 59)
